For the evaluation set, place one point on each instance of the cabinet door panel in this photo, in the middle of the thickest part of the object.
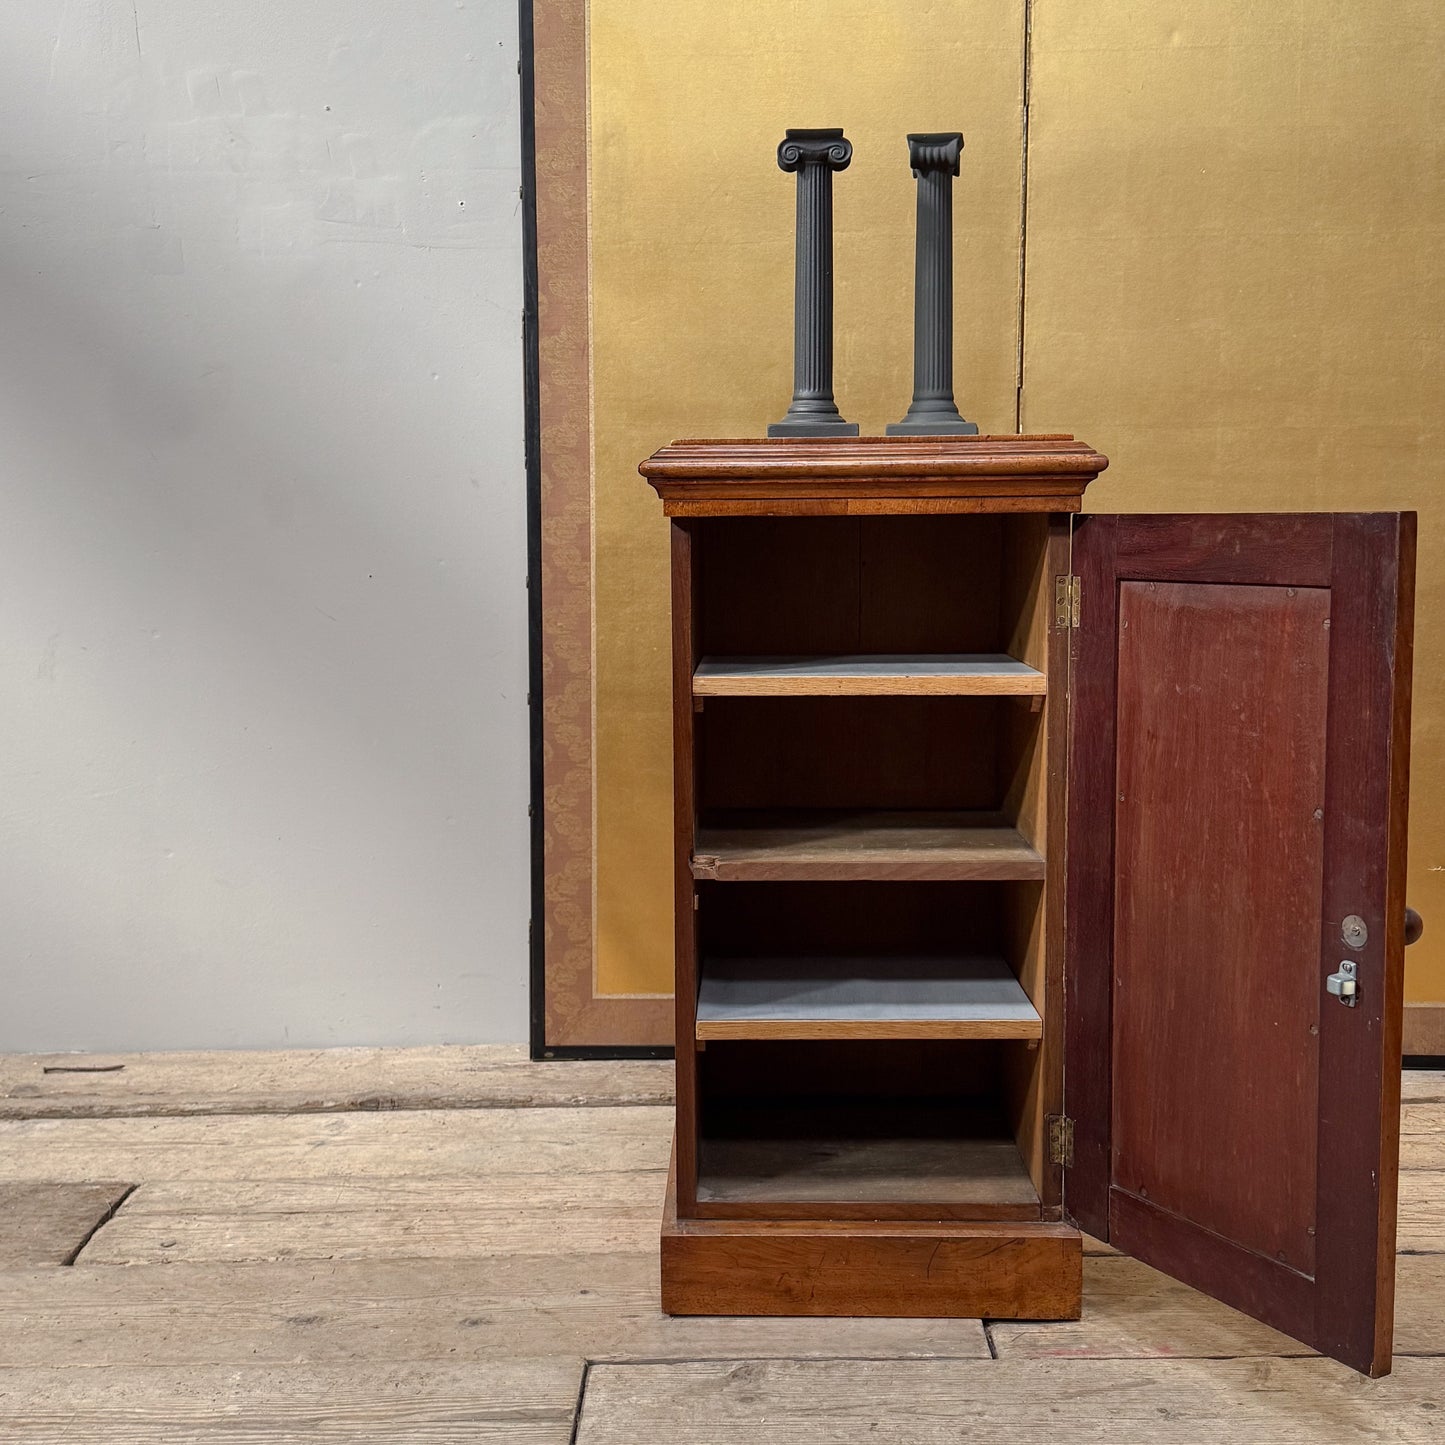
(1239, 699)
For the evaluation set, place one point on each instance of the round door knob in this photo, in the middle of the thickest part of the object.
(1414, 926)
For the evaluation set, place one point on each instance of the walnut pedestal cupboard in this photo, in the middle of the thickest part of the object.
(1036, 873)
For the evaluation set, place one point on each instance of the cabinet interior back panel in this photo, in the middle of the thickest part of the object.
(854, 584)
(856, 752)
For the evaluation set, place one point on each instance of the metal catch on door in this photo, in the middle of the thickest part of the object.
(1343, 984)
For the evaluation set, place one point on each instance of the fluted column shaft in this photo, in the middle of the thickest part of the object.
(935, 161)
(933, 291)
(813, 289)
(814, 155)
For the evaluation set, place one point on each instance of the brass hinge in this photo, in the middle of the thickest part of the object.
(1066, 601)
(1061, 1140)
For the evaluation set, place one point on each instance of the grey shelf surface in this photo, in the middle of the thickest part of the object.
(881, 997)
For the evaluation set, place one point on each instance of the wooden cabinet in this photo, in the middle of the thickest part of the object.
(1034, 873)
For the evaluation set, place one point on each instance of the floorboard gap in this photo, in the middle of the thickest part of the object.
(581, 1400)
(99, 1225)
(770, 1358)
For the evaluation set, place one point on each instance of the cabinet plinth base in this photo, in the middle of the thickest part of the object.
(953, 1270)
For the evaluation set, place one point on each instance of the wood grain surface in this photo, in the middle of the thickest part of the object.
(867, 1171)
(802, 476)
(1217, 907)
(888, 753)
(381, 1217)
(358, 1312)
(686, 649)
(525, 1401)
(861, 847)
(1011, 1402)
(868, 675)
(316, 1081)
(1261, 707)
(438, 1143)
(49, 1221)
(872, 457)
(786, 1267)
(1131, 1311)
(458, 1336)
(839, 585)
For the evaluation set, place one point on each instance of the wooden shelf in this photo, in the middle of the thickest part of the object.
(863, 998)
(799, 847)
(987, 1174)
(884, 674)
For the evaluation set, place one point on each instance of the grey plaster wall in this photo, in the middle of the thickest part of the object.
(262, 546)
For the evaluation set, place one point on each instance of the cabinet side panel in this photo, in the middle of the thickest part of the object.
(685, 630)
(1035, 551)
(1056, 722)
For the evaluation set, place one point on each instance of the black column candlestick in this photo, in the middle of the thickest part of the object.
(934, 159)
(814, 155)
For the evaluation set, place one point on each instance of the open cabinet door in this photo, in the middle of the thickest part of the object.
(1238, 756)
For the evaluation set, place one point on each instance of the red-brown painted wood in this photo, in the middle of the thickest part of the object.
(1272, 549)
(1367, 789)
(1213, 1130)
(1217, 906)
(1088, 894)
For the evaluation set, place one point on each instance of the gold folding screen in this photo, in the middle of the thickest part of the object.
(1217, 271)
(1235, 223)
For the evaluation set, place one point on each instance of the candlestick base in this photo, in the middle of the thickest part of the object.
(813, 426)
(932, 426)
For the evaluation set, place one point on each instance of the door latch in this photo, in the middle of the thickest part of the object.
(1343, 984)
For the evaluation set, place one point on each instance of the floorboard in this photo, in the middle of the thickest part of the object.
(426, 1144)
(1423, 1086)
(383, 1218)
(1010, 1402)
(1422, 1211)
(1422, 1136)
(597, 1306)
(47, 1222)
(529, 1402)
(1133, 1312)
(317, 1081)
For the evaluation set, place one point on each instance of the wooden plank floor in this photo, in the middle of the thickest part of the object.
(460, 1245)
(315, 1081)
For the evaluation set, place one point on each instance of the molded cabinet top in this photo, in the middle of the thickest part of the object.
(855, 476)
